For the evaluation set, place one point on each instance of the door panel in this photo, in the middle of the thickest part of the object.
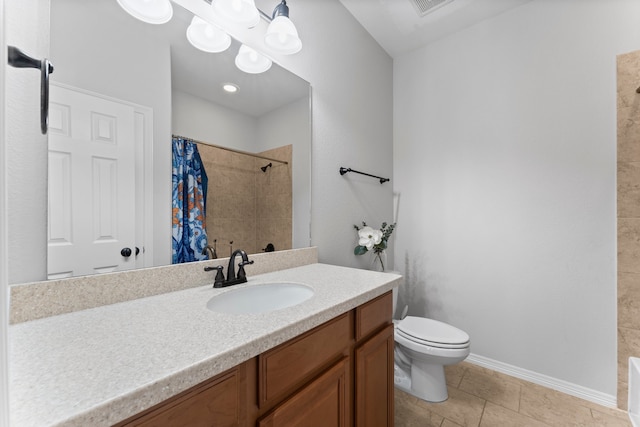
(91, 184)
(374, 380)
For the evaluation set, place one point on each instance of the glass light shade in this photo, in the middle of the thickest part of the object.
(241, 12)
(149, 11)
(282, 36)
(207, 37)
(252, 62)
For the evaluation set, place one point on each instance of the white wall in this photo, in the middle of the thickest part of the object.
(27, 27)
(205, 121)
(85, 58)
(23, 164)
(351, 80)
(290, 125)
(504, 165)
(4, 245)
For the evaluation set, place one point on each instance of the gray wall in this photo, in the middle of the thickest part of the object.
(504, 162)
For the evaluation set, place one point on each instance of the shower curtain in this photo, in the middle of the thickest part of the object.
(189, 236)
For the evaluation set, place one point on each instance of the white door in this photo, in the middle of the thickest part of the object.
(91, 184)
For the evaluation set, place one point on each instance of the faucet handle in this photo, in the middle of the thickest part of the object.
(241, 273)
(217, 282)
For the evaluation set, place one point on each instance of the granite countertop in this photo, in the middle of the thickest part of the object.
(99, 366)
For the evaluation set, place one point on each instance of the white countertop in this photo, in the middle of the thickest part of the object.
(99, 366)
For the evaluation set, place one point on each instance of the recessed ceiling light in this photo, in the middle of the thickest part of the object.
(230, 87)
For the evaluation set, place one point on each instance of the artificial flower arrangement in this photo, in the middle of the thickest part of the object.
(370, 239)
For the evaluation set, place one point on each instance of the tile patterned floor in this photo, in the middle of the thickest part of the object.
(480, 397)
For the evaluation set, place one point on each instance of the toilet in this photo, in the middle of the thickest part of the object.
(423, 348)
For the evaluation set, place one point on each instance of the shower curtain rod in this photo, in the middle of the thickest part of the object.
(233, 150)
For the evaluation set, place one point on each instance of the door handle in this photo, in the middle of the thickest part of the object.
(126, 252)
(19, 59)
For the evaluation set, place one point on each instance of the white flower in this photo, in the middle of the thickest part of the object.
(369, 237)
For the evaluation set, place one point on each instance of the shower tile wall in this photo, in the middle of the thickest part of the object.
(234, 209)
(274, 200)
(628, 201)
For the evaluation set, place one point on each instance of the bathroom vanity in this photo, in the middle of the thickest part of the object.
(324, 377)
(168, 360)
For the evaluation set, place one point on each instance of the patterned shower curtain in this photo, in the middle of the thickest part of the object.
(189, 236)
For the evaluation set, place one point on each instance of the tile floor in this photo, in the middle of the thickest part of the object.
(480, 397)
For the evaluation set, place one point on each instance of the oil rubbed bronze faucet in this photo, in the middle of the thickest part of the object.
(210, 252)
(231, 279)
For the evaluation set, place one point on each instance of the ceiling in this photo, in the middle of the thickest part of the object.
(398, 28)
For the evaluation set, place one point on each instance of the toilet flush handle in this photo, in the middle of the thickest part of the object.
(404, 312)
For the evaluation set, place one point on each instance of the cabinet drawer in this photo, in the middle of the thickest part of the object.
(374, 314)
(288, 366)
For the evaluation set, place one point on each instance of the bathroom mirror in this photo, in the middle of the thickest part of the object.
(172, 88)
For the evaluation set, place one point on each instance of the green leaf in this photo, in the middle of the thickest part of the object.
(360, 250)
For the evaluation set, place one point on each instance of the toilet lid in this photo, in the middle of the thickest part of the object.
(425, 330)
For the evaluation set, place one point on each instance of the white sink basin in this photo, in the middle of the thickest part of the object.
(260, 298)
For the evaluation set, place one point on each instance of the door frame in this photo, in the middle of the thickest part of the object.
(144, 191)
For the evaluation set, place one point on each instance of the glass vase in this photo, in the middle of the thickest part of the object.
(378, 261)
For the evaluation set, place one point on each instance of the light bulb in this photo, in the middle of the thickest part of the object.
(206, 37)
(241, 12)
(282, 36)
(149, 11)
(252, 62)
(230, 87)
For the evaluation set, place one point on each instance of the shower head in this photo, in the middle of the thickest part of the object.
(264, 168)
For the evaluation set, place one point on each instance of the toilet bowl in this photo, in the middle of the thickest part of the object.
(423, 348)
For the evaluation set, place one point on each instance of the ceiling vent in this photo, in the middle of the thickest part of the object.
(424, 7)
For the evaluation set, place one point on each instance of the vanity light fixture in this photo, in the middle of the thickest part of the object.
(207, 37)
(282, 36)
(251, 61)
(149, 11)
(230, 87)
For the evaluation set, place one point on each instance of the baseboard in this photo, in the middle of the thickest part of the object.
(545, 381)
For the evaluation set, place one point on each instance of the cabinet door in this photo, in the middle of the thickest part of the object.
(322, 403)
(374, 381)
(216, 403)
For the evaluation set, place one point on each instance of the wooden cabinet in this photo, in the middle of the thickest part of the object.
(374, 380)
(374, 363)
(338, 374)
(321, 403)
(218, 402)
(287, 367)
